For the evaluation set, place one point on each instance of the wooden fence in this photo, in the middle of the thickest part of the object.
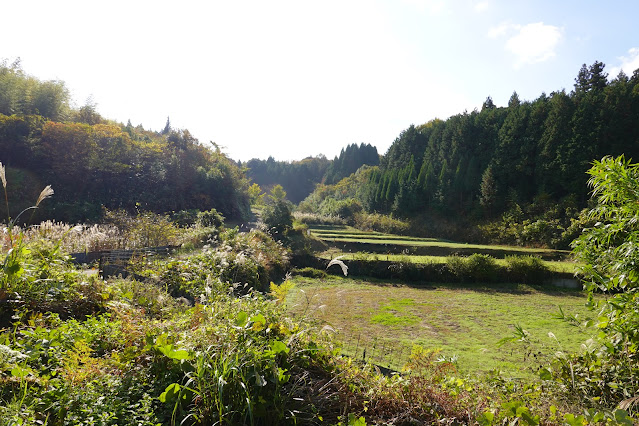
(116, 262)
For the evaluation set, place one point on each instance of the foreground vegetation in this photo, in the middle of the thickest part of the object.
(196, 339)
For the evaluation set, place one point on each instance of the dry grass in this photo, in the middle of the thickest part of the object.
(90, 238)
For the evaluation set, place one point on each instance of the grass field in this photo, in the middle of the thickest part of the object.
(465, 322)
(353, 240)
(554, 265)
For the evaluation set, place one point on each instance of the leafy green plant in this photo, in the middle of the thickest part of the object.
(526, 269)
(474, 268)
(380, 223)
(146, 229)
(210, 218)
(309, 272)
(608, 375)
(277, 218)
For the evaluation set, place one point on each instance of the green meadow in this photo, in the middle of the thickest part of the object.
(476, 325)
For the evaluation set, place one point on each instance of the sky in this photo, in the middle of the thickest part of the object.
(291, 79)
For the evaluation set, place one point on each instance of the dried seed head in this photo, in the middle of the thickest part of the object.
(3, 175)
(46, 193)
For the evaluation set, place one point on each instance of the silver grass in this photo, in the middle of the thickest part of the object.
(3, 176)
(342, 265)
(46, 193)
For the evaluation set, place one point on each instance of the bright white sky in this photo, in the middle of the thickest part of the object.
(297, 78)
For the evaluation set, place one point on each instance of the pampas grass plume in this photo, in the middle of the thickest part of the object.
(46, 193)
(3, 176)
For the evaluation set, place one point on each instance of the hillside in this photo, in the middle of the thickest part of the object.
(521, 167)
(93, 162)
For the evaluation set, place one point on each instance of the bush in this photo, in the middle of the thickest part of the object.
(474, 268)
(277, 218)
(526, 269)
(146, 229)
(309, 272)
(253, 259)
(210, 218)
(380, 223)
(346, 209)
(184, 218)
(317, 219)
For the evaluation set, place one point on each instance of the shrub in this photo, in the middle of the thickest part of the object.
(277, 218)
(184, 218)
(253, 259)
(380, 223)
(346, 209)
(210, 218)
(526, 269)
(317, 219)
(309, 272)
(146, 229)
(37, 277)
(474, 268)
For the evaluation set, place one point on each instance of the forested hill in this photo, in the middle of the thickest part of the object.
(299, 178)
(486, 160)
(92, 162)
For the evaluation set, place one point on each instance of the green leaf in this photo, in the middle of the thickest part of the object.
(179, 354)
(354, 421)
(169, 351)
(241, 319)
(545, 374)
(622, 417)
(170, 392)
(571, 420)
(258, 322)
(279, 347)
(486, 418)
(13, 269)
(282, 377)
(19, 372)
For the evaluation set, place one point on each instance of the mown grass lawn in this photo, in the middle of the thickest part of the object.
(466, 322)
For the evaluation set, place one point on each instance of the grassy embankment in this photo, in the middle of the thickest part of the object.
(354, 244)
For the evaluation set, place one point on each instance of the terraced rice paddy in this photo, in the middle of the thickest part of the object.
(565, 266)
(381, 321)
(346, 239)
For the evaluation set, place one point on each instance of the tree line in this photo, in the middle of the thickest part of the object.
(93, 162)
(299, 178)
(483, 161)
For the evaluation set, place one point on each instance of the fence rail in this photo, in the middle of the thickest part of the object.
(388, 356)
(115, 262)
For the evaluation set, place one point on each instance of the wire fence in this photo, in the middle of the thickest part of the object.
(388, 355)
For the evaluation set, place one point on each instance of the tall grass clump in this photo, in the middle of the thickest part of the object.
(37, 277)
(97, 237)
(146, 229)
(380, 223)
(250, 260)
(317, 219)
